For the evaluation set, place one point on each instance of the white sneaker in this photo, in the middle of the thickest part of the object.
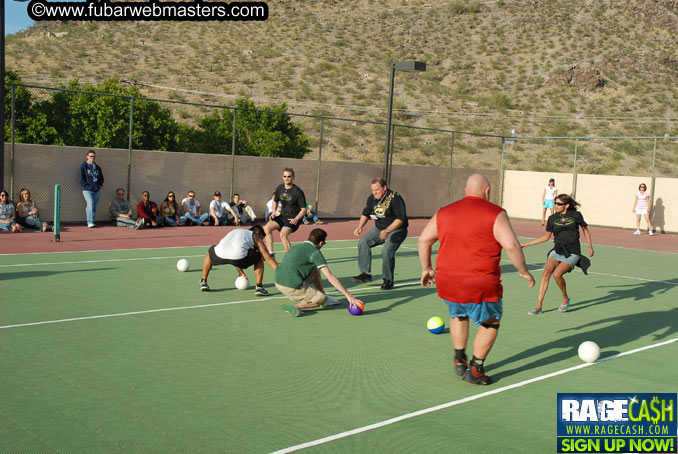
(637, 232)
(91, 225)
(331, 301)
(649, 232)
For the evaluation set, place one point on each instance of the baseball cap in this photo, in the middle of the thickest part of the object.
(218, 193)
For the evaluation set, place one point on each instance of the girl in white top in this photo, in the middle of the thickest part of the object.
(550, 193)
(641, 207)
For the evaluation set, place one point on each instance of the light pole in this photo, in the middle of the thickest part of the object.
(399, 66)
(2, 91)
(2, 94)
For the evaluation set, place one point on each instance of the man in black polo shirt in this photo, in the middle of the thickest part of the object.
(285, 218)
(387, 208)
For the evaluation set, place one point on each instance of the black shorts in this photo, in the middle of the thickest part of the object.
(284, 222)
(252, 258)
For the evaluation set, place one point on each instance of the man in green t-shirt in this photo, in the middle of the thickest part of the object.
(298, 276)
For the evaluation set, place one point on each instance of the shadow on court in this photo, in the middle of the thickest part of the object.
(531, 267)
(5, 276)
(621, 331)
(397, 297)
(635, 292)
(375, 255)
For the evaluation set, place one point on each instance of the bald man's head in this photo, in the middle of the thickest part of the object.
(478, 186)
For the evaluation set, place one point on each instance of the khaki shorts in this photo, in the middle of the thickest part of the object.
(306, 293)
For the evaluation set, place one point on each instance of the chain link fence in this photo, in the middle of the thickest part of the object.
(427, 165)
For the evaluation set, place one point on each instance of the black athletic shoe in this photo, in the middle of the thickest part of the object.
(460, 366)
(261, 291)
(204, 287)
(362, 277)
(387, 285)
(476, 376)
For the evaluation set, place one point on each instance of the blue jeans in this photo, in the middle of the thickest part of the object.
(391, 245)
(7, 226)
(226, 219)
(92, 199)
(313, 215)
(197, 220)
(172, 223)
(32, 221)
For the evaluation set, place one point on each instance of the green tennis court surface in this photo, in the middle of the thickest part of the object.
(112, 352)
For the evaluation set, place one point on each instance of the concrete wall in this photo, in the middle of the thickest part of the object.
(523, 191)
(607, 200)
(664, 213)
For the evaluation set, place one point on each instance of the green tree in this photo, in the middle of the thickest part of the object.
(98, 116)
(265, 132)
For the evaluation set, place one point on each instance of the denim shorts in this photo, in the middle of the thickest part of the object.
(476, 312)
(8, 226)
(573, 259)
(548, 203)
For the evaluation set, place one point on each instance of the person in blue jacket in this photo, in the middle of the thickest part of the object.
(91, 178)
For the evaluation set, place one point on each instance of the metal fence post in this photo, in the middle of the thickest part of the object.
(320, 152)
(449, 180)
(652, 180)
(129, 146)
(574, 170)
(235, 118)
(11, 176)
(501, 172)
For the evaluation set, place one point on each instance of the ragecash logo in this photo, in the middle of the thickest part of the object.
(636, 423)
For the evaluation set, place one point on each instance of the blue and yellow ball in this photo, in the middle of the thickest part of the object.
(436, 325)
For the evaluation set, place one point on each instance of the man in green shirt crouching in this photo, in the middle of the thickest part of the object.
(298, 276)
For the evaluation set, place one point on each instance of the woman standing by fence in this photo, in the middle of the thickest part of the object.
(641, 207)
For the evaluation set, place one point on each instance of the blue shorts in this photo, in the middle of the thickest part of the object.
(573, 259)
(476, 312)
(548, 203)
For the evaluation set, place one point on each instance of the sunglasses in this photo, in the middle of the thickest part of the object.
(121, 193)
(559, 203)
(170, 196)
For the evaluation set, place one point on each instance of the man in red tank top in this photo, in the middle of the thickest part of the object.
(472, 233)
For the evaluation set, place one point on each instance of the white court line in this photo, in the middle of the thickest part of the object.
(414, 414)
(142, 248)
(601, 274)
(134, 259)
(635, 278)
(100, 261)
(169, 309)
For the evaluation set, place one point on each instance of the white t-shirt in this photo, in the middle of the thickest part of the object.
(235, 245)
(269, 208)
(550, 192)
(220, 207)
(192, 206)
